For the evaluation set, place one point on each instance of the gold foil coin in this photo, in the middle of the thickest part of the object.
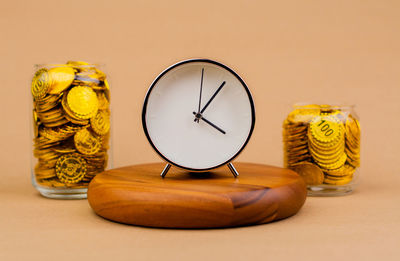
(325, 128)
(311, 173)
(107, 89)
(334, 165)
(338, 181)
(41, 82)
(103, 102)
(83, 102)
(101, 123)
(62, 77)
(71, 168)
(35, 124)
(86, 143)
(70, 116)
(77, 63)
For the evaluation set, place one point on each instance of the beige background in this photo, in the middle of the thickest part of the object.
(287, 51)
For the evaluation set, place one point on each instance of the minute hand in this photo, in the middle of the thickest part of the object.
(212, 97)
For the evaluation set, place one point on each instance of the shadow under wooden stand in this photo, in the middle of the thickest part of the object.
(137, 195)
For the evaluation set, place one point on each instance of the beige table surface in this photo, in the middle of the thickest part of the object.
(287, 51)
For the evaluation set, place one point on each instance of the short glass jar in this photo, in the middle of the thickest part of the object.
(322, 144)
(71, 128)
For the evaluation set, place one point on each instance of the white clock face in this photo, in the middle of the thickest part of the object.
(193, 138)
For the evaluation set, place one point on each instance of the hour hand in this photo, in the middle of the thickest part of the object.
(199, 116)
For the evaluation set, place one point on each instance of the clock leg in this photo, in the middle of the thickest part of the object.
(233, 170)
(165, 170)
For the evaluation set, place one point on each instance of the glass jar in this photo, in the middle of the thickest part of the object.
(71, 128)
(322, 144)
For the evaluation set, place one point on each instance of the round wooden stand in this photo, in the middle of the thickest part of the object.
(138, 195)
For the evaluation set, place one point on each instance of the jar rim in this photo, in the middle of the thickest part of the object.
(312, 105)
(41, 65)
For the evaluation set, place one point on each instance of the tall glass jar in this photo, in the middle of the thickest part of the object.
(322, 144)
(71, 127)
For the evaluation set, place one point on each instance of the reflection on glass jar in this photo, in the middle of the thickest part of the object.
(322, 144)
(71, 127)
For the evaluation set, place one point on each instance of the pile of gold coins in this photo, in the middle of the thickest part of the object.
(71, 121)
(322, 144)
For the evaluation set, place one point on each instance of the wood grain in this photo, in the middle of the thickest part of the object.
(138, 195)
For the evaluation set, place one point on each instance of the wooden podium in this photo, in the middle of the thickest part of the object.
(137, 195)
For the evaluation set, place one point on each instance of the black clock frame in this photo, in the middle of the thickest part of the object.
(253, 117)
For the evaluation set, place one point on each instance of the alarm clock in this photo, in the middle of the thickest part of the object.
(198, 115)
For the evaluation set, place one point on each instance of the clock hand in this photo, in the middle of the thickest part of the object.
(221, 130)
(201, 89)
(212, 97)
(199, 116)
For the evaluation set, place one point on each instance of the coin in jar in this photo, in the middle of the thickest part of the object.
(311, 173)
(70, 168)
(325, 128)
(86, 143)
(62, 78)
(41, 82)
(100, 123)
(83, 102)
